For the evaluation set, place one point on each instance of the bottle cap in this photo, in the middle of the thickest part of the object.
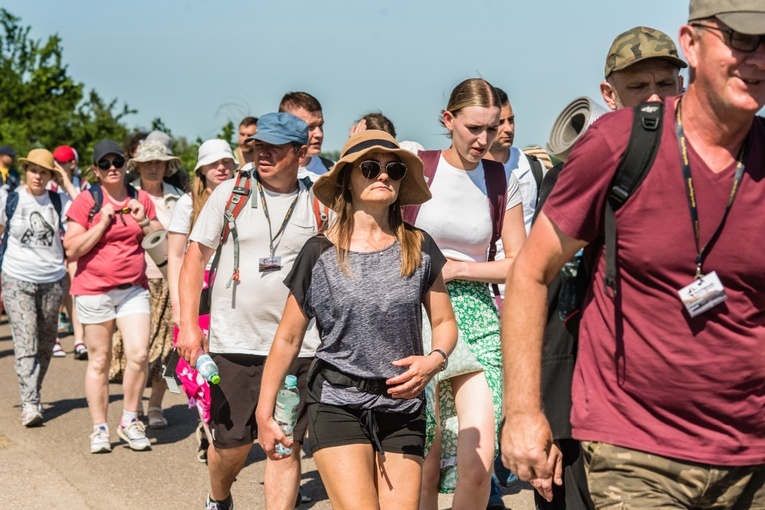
(215, 379)
(290, 381)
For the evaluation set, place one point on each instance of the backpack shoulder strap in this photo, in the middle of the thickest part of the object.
(131, 191)
(548, 183)
(328, 163)
(537, 172)
(98, 199)
(643, 145)
(55, 200)
(236, 202)
(11, 202)
(496, 190)
(429, 166)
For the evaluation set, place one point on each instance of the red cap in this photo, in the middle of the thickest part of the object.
(65, 154)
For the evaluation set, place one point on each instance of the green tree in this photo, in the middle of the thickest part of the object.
(40, 104)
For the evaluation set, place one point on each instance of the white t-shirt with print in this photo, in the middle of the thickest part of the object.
(458, 217)
(35, 252)
(245, 316)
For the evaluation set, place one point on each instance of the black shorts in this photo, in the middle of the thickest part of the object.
(339, 425)
(234, 399)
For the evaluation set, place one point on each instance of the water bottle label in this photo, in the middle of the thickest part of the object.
(285, 415)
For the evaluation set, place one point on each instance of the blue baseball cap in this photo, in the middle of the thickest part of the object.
(280, 128)
(6, 150)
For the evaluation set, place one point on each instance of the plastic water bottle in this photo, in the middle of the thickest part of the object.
(208, 369)
(285, 411)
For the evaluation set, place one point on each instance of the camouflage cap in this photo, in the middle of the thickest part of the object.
(744, 16)
(641, 43)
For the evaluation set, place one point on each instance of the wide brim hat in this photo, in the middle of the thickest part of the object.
(40, 157)
(154, 150)
(413, 190)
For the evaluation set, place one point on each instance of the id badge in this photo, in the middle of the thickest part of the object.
(268, 264)
(703, 294)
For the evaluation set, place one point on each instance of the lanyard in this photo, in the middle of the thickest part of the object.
(691, 191)
(273, 238)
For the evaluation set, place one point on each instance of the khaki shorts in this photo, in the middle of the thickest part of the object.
(621, 478)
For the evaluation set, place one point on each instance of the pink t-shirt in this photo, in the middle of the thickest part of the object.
(692, 389)
(117, 258)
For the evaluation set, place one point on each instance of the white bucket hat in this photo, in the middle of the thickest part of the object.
(214, 150)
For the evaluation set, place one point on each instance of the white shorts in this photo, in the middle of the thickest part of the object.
(116, 303)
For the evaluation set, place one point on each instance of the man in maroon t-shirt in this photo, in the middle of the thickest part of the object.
(668, 395)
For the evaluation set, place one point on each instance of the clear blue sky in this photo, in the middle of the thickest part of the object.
(198, 63)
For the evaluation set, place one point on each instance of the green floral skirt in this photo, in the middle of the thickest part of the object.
(478, 349)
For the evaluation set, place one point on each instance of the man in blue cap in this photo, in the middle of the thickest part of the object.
(268, 232)
(9, 175)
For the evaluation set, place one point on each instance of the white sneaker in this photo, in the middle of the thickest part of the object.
(31, 415)
(135, 436)
(58, 351)
(100, 442)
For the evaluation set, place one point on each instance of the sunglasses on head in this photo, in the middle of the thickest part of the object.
(105, 164)
(371, 169)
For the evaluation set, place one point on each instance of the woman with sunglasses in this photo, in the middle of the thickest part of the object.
(365, 390)
(111, 285)
(463, 219)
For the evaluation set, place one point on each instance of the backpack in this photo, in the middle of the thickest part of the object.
(98, 198)
(496, 189)
(567, 291)
(236, 202)
(11, 203)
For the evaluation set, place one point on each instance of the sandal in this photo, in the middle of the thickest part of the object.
(157, 419)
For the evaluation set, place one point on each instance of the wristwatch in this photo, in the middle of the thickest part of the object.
(446, 358)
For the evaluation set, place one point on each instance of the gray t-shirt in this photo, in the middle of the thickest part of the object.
(368, 319)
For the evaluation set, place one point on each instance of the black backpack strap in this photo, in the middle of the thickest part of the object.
(55, 200)
(131, 191)
(328, 163)
(98, 200)
(543, 191)
(537, 170)
(633, 168)
(11, 202)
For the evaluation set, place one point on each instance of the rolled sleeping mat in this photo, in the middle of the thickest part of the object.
(571, 124)
(155, 244)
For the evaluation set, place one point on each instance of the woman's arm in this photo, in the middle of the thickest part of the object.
(176, 246)
(513, 235)
(78, 240)
(284, 350)
(422, 368)
(65, 181)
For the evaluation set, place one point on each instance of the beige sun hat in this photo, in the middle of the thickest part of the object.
(413, 190)
(154, 150)
(40, 157)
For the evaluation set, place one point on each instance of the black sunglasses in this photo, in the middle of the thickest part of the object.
(736, 40)
(371, 169)
(105, 164)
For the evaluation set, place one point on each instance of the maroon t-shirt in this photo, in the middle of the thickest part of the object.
(117, 258)
(686, 388)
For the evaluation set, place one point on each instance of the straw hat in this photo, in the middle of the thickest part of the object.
(413, 190)
(40, 157)
(154, 150)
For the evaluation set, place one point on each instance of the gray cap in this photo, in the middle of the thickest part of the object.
(744, 16)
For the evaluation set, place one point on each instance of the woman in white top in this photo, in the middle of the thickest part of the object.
(33, 274)
(216, 163)
(467, 399)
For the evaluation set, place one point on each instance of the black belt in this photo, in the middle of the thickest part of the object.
(123, 286)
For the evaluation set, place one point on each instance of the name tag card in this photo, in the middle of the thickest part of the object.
(703, 294)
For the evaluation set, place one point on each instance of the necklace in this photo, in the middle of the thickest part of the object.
(388, 241)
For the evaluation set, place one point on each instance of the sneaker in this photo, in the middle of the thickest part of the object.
(219, 505)
(31, 415)
(100, 442)
(80, 351)
(58, 351)
(135, 436)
